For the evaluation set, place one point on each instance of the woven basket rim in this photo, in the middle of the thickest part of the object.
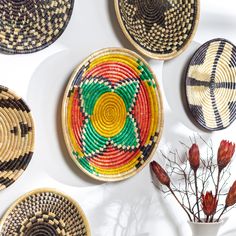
(152, 55)
(186, 77)
(32, 147)
(44, 190)
(63, 112)
(5, 51)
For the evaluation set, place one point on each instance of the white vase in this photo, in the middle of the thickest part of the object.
(205, 229)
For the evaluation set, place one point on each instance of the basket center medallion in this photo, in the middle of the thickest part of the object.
(109, 115)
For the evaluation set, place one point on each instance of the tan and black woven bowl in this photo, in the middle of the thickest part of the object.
(28, 26)
(16, 137)
(44, 212)
(160, 29)
(211, 84)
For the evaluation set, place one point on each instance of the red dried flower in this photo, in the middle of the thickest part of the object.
(194, 157)
(209, 204)
(225, 154)
(160, 173)
(231, 197)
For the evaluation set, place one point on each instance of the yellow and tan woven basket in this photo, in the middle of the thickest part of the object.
(160, 29)
(16, 137)
(44, 212)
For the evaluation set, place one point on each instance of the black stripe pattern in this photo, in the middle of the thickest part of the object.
(211, 84)
(16, 137)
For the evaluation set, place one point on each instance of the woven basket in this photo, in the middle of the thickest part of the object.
(16, 137)
(28, 26)
(210, 84)
(160, 29)
(112, 114)
(44, 212)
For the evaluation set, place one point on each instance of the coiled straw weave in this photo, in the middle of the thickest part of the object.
(16, 137)
(45, 213)
(112, 114)
(160, 29)
(211, 84)
(27, 26)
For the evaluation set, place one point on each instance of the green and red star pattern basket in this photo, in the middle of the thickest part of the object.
(112, 114)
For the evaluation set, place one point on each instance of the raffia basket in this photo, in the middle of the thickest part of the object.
(16, 137)
(210, 84)
(28, 26)
(44, 212)
(112, 114)
(160, 29)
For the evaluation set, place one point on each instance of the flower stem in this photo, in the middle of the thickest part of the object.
(180, 203)
(197, 199)
(217, 191)
(221, 214)
(218, 183)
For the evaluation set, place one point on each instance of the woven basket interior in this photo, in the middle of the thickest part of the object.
(159, 26)
(16, 137)
(45, 214)
(211, 80)
(30, 25)
(112, 114)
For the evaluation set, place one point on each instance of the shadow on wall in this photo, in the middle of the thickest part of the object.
(179, 124)
(46, 90)
(134, 211)
(116, 26)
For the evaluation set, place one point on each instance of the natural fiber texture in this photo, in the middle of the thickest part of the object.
(211, 84)
(16, 137)
(44, 213)
(27, 26)
(160, 29)
(112, 114)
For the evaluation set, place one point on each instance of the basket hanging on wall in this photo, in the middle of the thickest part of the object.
(45, 212)
(16, 137)
(31, 25)
(160, 29)
(211, 84)
(112, 114)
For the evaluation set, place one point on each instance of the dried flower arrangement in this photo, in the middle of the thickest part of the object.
(195, 175)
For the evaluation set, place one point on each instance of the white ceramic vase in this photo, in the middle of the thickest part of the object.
(205, 229)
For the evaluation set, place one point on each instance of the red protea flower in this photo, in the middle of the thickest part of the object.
(225, 154)
(194, 157)
(209, 204)
(231, 197)
(160, 173)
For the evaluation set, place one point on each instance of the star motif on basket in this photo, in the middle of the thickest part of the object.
(145, 10)
(108, 115)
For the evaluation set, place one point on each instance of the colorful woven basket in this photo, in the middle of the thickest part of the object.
(211, 84)
(160, 29)
(112, 114)
(44, 212)
(16, 137)
(28, 26)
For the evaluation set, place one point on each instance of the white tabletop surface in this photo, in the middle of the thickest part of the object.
(132, 207)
